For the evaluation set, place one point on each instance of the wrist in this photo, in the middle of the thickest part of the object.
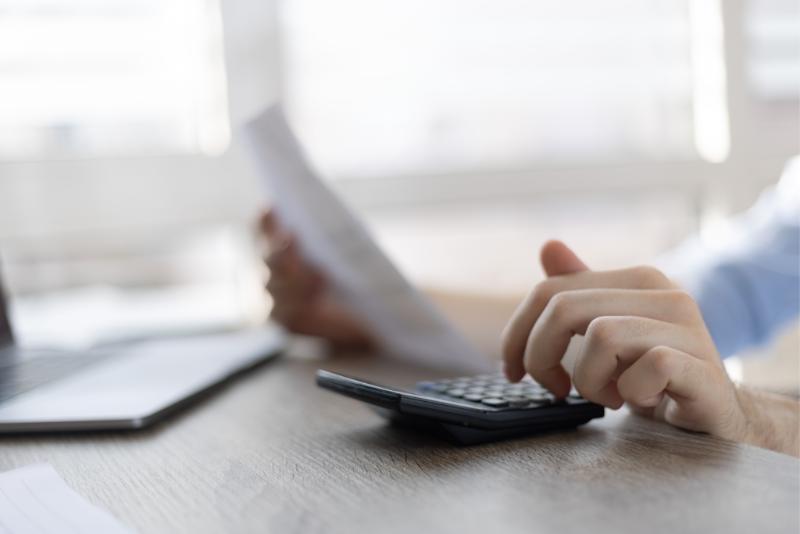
(768, 420)
(734, 421)
(747, 421)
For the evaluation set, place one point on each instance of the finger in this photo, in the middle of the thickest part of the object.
(557, 258)
(268, 223)
(612, 344)
(286, 259)
(519, 327)
(279, 240)
(293, 290)
(662, 370)
(325, 319)
(278, 259)
(292, 297)
(338, 326)
(570, 313)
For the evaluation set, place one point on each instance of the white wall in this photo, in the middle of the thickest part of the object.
(40, 199)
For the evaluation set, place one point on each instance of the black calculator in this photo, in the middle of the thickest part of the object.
(470, 409)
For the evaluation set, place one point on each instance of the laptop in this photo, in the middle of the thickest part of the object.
(125, 387)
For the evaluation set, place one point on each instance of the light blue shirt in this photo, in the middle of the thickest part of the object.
(746, 276)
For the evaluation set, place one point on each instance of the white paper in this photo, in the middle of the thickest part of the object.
(35, 500)
(401, 319)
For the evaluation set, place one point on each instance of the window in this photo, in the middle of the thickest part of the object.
(768, 117)
(379, 87)
(111, 77)
(773, 37)
(387, 89)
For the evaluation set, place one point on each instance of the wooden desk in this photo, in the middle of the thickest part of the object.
(272, 453)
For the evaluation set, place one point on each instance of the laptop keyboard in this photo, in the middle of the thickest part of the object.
(38, 367)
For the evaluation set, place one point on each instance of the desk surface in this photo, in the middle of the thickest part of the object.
(272, 453)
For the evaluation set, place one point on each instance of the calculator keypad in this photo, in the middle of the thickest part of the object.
(495, 391)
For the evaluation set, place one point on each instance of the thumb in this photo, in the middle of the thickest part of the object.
(557, 258)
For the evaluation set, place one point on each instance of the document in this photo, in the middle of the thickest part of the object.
(35, 500)
(402, 320)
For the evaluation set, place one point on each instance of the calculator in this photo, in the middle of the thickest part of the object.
(470, 409)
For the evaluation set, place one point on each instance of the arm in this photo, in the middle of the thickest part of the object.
(773, 421)
(745, 275)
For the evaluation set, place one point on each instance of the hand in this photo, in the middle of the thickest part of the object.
(645, 344)
(303, 302)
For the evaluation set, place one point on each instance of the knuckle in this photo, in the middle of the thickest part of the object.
(661, 360)
(277, 284)
(650, 277)
(559, 305)
(274, 259)
(682, 301)
(271, 285)
(687, 306)
(602, 331)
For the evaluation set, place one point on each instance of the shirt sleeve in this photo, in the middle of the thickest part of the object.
(745, 276)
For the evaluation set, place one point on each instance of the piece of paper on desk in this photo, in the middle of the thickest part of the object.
(35, 500)
(401, 319)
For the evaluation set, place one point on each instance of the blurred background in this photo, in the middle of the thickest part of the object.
(465, 132)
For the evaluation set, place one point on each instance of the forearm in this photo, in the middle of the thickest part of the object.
(771, 421)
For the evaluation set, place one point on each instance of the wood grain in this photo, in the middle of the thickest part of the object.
(273, 453)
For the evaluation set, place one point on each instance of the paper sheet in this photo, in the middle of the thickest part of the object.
(403, 321)
(35, 500)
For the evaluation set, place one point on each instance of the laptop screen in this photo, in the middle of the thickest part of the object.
(5, 327)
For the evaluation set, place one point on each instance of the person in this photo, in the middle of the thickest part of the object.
(651, 341)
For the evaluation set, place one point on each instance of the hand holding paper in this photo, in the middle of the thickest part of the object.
(402, 321)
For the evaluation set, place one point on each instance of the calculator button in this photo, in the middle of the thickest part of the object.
(539, 397)
(474, 397)
(440, 387)
(495, 402)
(516, 401)
(425, 386)
(455, 392)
